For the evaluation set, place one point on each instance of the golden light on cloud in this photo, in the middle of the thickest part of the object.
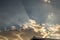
(47, 1)
(13, 27)
(50, 32)
(3, 38)
(43, 31)
(25, 26)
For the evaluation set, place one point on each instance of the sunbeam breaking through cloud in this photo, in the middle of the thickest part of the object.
(23, 19)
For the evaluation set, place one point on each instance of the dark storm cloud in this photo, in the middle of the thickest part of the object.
(36, 10)
(56, 4)
(19, 11)
(12, 11)
(33, 8)
(39, 11)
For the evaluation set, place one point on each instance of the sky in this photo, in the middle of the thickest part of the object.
(20, 11)
(17, 12)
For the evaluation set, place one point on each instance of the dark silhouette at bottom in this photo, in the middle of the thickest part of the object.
(35, 38)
